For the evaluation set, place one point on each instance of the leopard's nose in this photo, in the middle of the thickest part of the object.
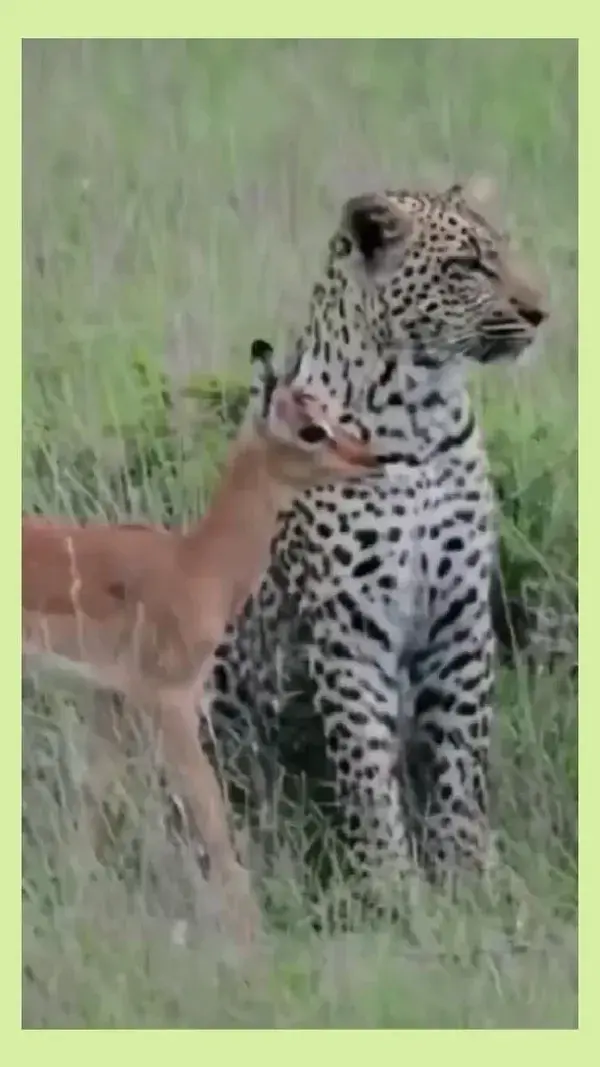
(528, 299)
(534, 316)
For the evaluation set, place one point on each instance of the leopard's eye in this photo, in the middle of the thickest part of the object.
(466, 263)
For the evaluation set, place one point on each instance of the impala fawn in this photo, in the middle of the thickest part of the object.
(140, 610)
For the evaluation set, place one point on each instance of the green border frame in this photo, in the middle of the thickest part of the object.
(32, 18)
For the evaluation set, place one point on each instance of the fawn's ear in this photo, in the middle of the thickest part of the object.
(261, 352)
(376, 224)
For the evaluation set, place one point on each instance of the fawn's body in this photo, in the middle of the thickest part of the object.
(140, 610)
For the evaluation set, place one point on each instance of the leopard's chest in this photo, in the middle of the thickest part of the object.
(387, 536)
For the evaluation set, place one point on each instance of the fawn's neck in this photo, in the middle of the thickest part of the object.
(231, 544)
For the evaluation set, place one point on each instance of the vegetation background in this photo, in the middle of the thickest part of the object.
(178, 196)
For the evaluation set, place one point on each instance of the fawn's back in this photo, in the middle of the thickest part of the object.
(99, 595)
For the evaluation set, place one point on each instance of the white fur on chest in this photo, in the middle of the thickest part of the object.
(400, 509)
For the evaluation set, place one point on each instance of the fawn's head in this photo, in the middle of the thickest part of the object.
(307, 443)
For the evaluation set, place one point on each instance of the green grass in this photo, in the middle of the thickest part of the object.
(177, 200)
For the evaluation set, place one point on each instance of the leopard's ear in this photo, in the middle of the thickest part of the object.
(375, 224)
(480, 194)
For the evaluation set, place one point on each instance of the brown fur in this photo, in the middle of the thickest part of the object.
(140, 610)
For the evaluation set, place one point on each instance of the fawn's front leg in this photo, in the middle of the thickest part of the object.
(192, 776)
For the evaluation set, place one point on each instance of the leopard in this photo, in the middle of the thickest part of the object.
(377, 595)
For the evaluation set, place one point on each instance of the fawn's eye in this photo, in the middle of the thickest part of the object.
(313, 434)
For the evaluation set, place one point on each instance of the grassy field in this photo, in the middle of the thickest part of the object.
(177, 200)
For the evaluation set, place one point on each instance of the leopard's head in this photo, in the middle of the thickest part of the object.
(437, 281)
